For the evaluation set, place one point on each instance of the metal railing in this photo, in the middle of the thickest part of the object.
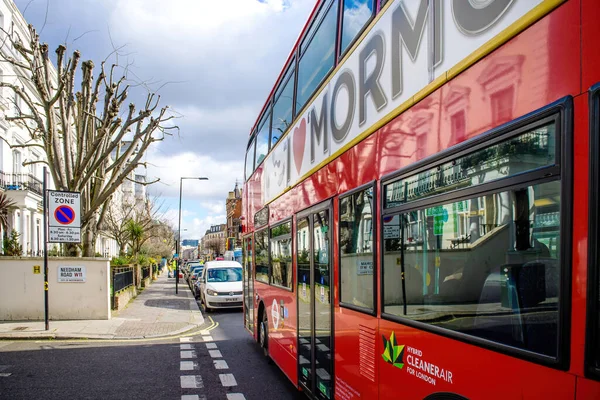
(145, 272)
(122, 278)
(20, 182)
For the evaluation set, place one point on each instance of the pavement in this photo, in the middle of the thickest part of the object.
(156, 312)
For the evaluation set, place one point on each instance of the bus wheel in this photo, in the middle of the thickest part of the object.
(264, 334)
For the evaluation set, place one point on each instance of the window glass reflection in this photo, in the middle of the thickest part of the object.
(318, 57)
(281, 255)
(282, 110)
(261, 247)
(249, 169)
(356, 14)
(486, 266)
(262, 140)
(526, 152)
(356, 249)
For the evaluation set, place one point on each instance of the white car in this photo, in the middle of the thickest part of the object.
(221, 285)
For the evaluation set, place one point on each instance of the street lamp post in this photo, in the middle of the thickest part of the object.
(201, 178)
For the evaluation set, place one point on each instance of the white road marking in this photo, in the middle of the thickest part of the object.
(221, 364)
(188, 354)
(191, 382)
(185, 339)
(227, 380)
(211, 345)
(187, 365)
(235, 396)
(186, 347)
(207, 338)
(193, 397)
(215, 354)
(5, 374)
(204, 333)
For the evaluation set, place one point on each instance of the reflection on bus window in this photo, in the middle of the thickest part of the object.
(262, 140)
(356, 14)
(356, 249)
(261, 248)
(318, 57)
(486, 266)
(249, 168)
(281, 255)
(526, 152)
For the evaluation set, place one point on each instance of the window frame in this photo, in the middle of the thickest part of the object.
(343, 52)
(592, 367)
(375, 224)
(266, 228)
(291, 235)
(562, 112)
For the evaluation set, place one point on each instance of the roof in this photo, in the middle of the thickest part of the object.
(222, 264)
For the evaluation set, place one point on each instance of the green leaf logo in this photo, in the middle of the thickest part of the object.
(392, 353)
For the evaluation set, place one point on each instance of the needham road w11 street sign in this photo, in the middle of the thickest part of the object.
(64, 220)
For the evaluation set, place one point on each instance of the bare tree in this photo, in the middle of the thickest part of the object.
(93, 141)
(161, 243)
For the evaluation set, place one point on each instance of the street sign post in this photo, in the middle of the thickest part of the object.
(64, 209)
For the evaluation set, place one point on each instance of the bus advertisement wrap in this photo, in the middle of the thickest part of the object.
(374, 79)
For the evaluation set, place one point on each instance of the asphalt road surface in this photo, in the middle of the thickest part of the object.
(224, 363)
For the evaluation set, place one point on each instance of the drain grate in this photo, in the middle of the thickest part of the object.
(20, 328)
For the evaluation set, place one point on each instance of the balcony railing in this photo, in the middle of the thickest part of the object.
(20, 182)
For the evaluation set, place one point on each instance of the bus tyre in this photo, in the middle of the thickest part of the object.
(264, 335)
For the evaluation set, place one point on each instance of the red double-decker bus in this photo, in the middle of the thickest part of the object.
(420, 211)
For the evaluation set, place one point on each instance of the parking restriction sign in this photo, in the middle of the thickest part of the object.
(64, 223)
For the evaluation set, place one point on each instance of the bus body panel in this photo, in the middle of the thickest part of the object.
(587, 389)
(590, 29)
(282, 336)
(433, 363)
(356, 338)
(579, 233)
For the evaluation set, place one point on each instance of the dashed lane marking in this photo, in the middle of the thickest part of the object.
(211, 345)
(188, 365)
(207, 338)
(235, 396)
(191, 382)
(5, 374)
(186, 347)
(188, 354)
(193, 397)
(215, 354)
(220, 364)
(185, 339)
(227, 380)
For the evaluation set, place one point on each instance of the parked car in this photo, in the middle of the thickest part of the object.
(194, 274)
(221, 285)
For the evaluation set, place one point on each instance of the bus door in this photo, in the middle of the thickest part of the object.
(248, 285)
(314, 277)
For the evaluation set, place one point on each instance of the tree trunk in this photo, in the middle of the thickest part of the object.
(89, 241)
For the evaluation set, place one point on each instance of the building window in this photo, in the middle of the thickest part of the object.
(17, 163)
(356, 15)
(357, 282)
(281, 255)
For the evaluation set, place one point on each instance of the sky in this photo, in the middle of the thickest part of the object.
(213, 62)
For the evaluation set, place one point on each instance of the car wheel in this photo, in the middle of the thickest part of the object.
(264, 335)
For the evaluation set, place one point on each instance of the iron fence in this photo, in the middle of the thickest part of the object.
(145, 272)
(122, 278)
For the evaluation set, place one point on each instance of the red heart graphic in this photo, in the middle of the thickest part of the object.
(298, 142)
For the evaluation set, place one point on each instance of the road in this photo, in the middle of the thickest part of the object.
(176, 368)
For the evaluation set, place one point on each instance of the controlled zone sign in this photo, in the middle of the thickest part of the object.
(64, 222)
